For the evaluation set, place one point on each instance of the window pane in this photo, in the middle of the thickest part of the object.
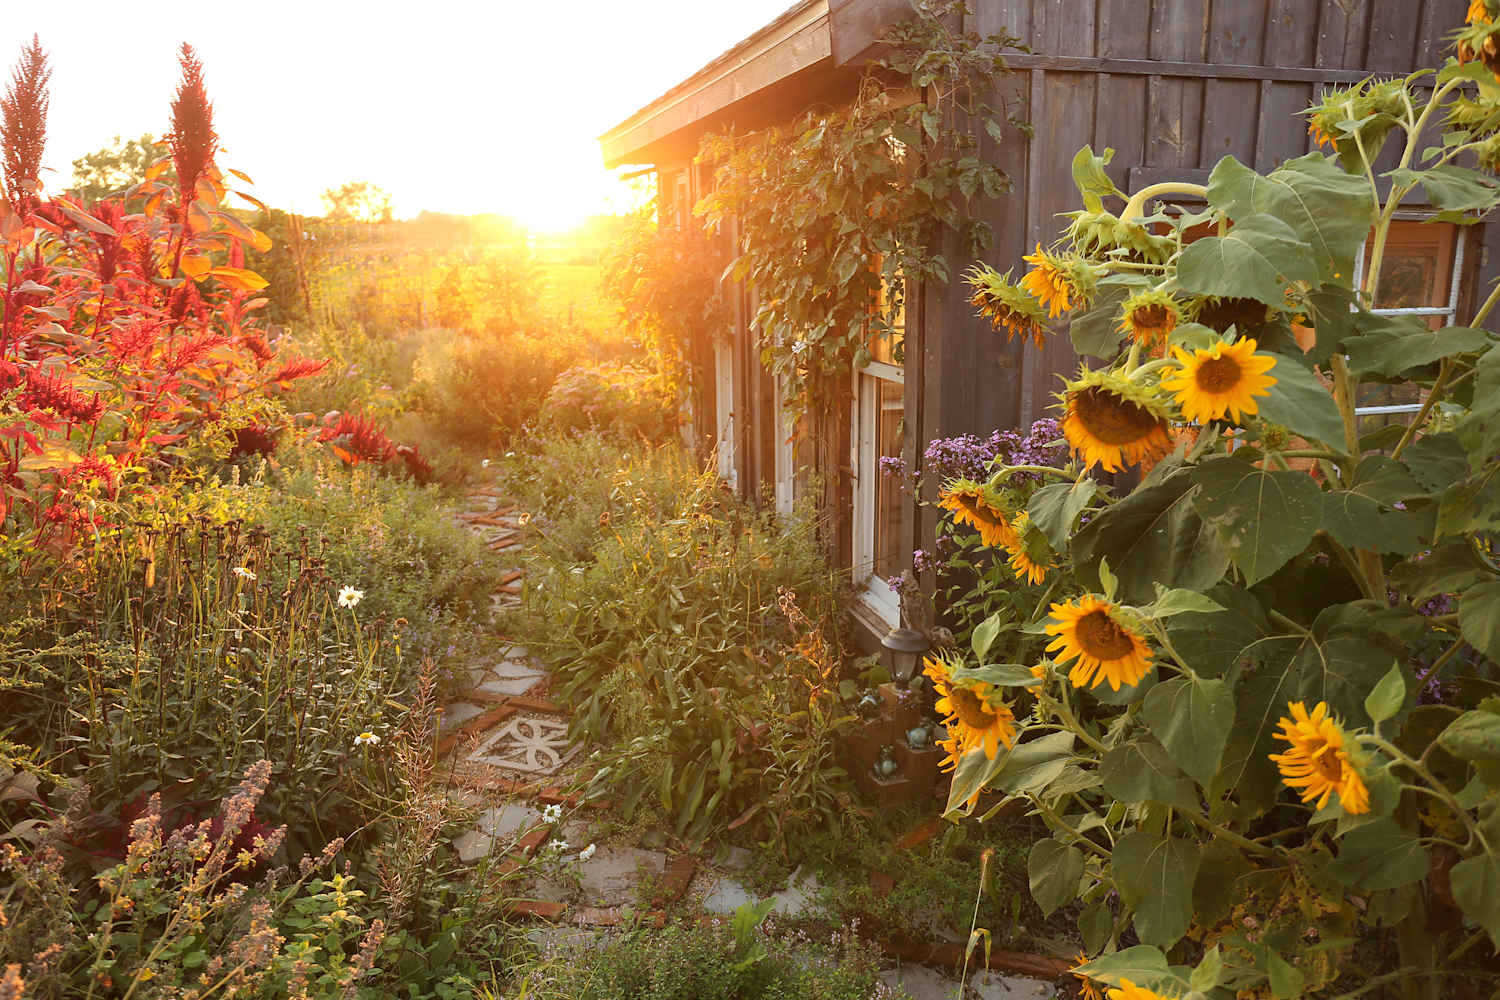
(889, 410)
(890, 347)
(1418, 266)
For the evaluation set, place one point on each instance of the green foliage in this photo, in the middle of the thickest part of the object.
(1276, 562)
(743, 959)
(667, 611)
(624, 401)
(115, 168)
(836, 211)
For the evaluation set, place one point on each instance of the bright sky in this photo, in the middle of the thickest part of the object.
(464, 107)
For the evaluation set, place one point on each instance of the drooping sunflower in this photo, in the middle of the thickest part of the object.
(1106, 649)
(1249, 317)
(1318, 762)
(1057, 283)
(1030, 555)
(1479, 12)
(1221, 379)
(1128, 990)
(974, 713)
(1150, 316)
(1112, 422)
(979, 505)
(1006, 306)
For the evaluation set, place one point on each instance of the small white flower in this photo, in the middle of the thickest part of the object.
(349, 597)
(366, 739)
(586, 853)
(558, 845)
(485, 464)
(552, 813)
(243, 573)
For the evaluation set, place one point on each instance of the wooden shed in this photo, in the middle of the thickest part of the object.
(1171, 85)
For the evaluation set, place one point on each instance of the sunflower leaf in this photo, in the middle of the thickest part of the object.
(1266, 516)
(1192, 717)
(1476, 889)
(1257, 259)
(1141, 771)
(1301, 403)
(1053, 869)
(1379, 855)
(1155, 878)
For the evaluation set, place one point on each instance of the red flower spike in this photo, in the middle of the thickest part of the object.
(23, 126)
(192, 138)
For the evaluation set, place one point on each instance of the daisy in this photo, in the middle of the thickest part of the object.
(349, 597)
(366, 739)
(552, 813)
(586, 853)
(243, 573)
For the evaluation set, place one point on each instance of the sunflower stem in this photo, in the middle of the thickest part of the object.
(1136, 206)
(1436, 786)
(1154, 365)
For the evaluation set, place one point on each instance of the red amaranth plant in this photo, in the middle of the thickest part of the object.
(192, 138)
(23, 126)
(356, 438)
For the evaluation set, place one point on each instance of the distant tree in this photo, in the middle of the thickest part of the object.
(357, 201)
(114, 168)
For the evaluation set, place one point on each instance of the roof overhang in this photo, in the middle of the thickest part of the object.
(797, 42)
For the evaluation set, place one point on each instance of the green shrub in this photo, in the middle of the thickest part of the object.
(478, 391)
(666, 607)
(739, 959)
(626, 401)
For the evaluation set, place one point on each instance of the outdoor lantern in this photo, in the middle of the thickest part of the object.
(906, 646)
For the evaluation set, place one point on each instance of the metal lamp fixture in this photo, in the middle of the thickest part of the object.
(905, 646)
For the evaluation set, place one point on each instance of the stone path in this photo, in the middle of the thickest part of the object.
(507, 747)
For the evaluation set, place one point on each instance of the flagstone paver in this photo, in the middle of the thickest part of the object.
(508, 820)
(609, 878)
(990, 986)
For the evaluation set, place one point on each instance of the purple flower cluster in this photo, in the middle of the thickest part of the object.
(969, 457)
(892, 465)
(922, 561)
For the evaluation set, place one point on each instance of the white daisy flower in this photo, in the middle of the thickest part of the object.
(552, 813)
(558, 845)
(586, 853)
(349, 597)
(243, 573)
(485, 464)
(366, 739)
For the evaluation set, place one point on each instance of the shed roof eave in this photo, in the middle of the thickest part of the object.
(795, 41)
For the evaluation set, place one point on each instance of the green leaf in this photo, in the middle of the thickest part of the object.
(1155, 878)
(1358, 522)
(1054, 869)
(1327, 208)
(1192, 717)
(1210, 967)
(1001, 675)
(1095, 924)
(1030, 767)
(1180, 602)
(1379, 855)
(1212, 644)
(1095, 331)
(1475, 735)
(1476, 890)
(1479, 430)
(1402, 343)
(1387, 697)
(1266, 516)
(1141, 964)
(985, 633)
(1454, 191)
(1254, 260)
(1141, 771)
(1090, 178)
(1472, 505)
(1286, 979)
(1479, 618)
(1054, 509)
(973, 771)
(1301, 403)
(1155, 535)
(1445, 570)
(1437, 461)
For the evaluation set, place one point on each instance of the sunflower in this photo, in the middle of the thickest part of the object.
(980, 505)
(1106, 649)
(1249, 317)
(1112, 422)
(1479, 12)
(974, 714)
(1130, 991)
(1222, 379)
(1007, 307)
(1056, 282)
(1086, 988)
(1150, 316)
(1030, 555)
(1318, 762)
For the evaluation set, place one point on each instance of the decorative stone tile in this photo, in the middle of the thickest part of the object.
(511, 685)
(457, 714)
(610, 877)
(508, 820)
(532, 744)
(517, 668)
(725, 895)
(473, 845)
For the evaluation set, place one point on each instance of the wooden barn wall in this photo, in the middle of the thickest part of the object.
(1172, 86)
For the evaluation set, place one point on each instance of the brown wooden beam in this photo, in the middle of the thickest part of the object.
(1159, 67)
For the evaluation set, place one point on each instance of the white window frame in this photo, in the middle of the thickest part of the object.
(724, 410)
(1448, 313)
(871, 589)
(786, 479)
